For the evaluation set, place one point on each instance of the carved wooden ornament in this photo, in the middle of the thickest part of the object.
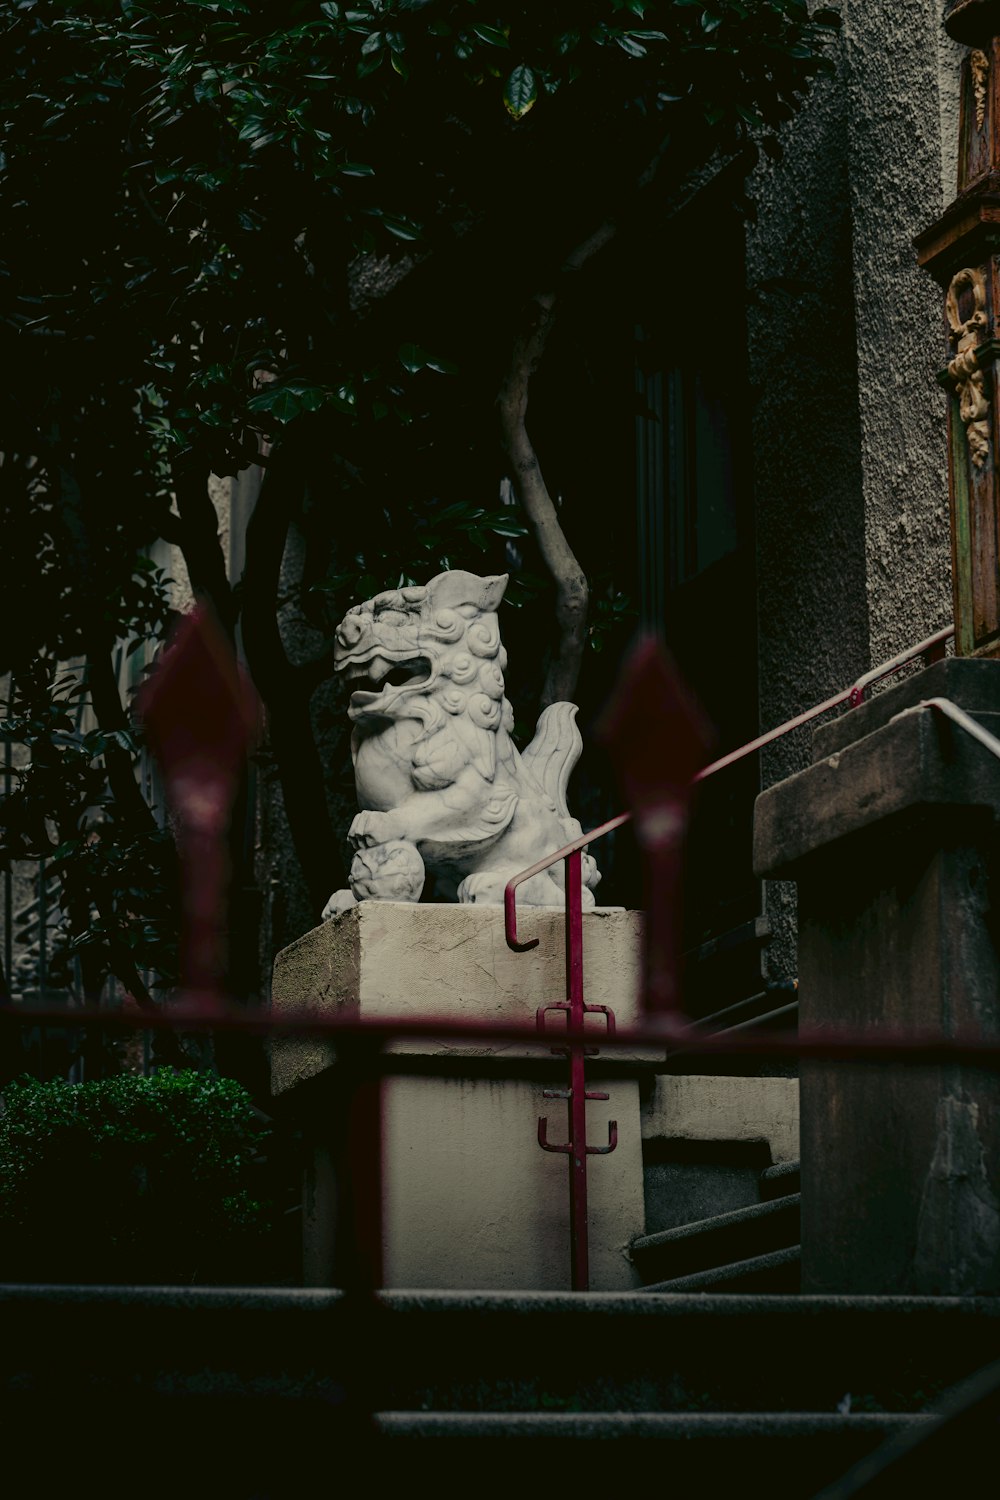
(970, 382)
(961, 250)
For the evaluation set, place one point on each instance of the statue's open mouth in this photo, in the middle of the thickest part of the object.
(369, 680)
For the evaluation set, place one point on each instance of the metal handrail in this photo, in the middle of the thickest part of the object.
(932, 649)
(960, 717)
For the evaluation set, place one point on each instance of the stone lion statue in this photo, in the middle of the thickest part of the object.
(440, 783)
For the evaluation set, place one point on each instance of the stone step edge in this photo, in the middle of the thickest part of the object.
(733, 1219)
(684, 1425)
(755, 1264)
(38, 1298)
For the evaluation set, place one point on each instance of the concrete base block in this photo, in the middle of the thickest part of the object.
(473, 1202)
(397, 961)
(470, 1199)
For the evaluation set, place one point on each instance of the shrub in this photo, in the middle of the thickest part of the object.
(130, 1179)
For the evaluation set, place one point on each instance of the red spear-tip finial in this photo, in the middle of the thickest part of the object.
(199, 714)
(658, 738)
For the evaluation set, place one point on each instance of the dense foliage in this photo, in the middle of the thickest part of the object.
(188, 185)
(213, 212)
(130, 1179)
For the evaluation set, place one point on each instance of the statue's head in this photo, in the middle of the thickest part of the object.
(441, 638)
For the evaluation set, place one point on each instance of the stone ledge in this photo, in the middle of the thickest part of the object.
(909, 769)
(418, 962)
(973, 684)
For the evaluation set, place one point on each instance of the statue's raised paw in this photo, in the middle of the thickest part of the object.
(371, 828)
(481, 889)
(388, 872)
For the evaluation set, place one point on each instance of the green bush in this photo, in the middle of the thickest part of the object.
(130, 1180)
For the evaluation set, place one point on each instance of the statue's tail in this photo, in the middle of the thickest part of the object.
(554, 752)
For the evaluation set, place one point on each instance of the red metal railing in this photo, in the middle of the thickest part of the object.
(362, 1044)
(660, 794)
(931, 649)
(575, 1147)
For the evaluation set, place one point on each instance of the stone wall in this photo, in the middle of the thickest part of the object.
(902, 124)
(849, 424)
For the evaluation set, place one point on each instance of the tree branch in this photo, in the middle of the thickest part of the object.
(196, 532)
(572, 590)
(111, 715)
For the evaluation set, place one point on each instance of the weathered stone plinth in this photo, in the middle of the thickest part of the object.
(892, 836)
(471, 1200)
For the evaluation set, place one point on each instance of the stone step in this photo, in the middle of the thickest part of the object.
(261, 1449)
(740, 1235)
(488, 1352)
(701, 1453)
(779, 1271)
(780, 1180)
(707, 1426)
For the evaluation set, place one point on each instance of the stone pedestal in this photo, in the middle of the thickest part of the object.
(892, 836)
(470, 1199)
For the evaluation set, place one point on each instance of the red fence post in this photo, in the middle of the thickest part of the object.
(575, 1147)
(199, 714)
(659, 739)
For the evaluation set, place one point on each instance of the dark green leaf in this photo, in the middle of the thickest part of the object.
(278, 401)
(401, 228)
(520, 92)
(509, 527)
(491, 35)
(412, 357)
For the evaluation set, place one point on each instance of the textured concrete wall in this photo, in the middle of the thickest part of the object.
(691, 1108)
(901, 75)
(812, 611)
(806, 430)
(849, 425)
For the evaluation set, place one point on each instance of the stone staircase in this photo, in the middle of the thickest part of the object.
(750, 1249)
(255, 1394)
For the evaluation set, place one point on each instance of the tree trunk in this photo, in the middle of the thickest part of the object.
(286, 689)
(572, 592)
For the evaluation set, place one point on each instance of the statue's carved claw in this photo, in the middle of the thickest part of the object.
(338, 903)
(487, 888)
